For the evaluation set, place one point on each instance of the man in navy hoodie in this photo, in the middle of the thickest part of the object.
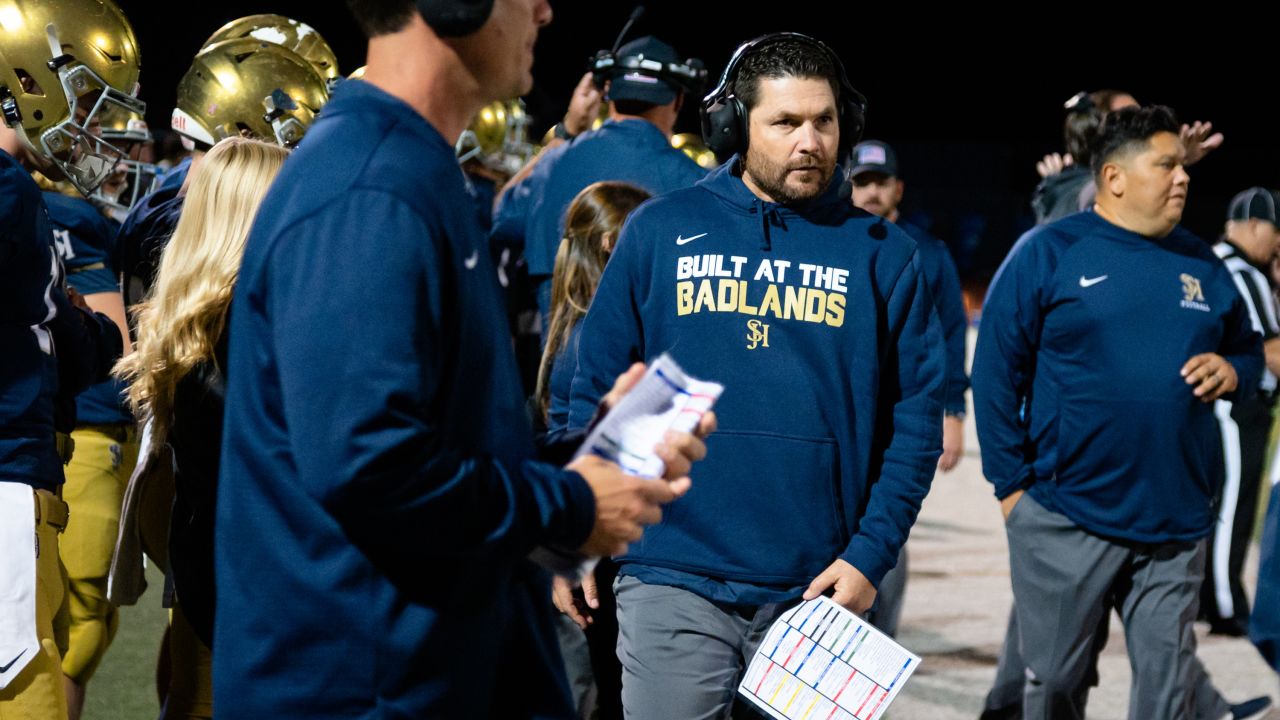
(1106, 337)
(378, 493)
(815, 317)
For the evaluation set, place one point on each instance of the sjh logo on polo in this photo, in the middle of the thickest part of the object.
(1192, 294)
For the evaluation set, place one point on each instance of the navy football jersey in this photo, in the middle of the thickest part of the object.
(84, 240)
(29, 274)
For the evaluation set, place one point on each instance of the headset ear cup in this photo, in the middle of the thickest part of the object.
(740, 122)
(857, 123)
(852, 124)
(455, 18)
(720, 127)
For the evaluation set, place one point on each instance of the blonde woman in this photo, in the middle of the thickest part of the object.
(176, 384)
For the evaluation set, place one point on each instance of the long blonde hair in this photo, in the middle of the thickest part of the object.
(180, 322)
(591, 227)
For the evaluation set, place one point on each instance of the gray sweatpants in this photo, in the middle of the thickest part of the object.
(683, 655)
(1004, 701)
(1063, 580)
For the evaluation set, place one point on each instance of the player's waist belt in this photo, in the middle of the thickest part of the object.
(66, 446)
(51, 510)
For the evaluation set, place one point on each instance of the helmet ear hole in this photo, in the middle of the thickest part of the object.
(38, 114)
(29, 84)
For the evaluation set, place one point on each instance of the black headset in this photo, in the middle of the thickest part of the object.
(455, 18)
(724, 119)
(690, 75)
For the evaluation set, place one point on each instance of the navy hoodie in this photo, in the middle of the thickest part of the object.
(1078, 394)
(818, 323)
(377, 493)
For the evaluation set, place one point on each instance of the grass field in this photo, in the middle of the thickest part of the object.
(124, 686)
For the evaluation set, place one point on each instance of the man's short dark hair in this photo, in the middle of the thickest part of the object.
(784, 58)
(382, 17)
(1130, 128)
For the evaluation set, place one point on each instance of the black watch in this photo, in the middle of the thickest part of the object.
(562, 132)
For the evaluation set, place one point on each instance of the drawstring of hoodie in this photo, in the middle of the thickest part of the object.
(769, 215)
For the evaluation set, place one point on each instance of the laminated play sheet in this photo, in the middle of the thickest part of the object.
(820, 661)
(664, 399)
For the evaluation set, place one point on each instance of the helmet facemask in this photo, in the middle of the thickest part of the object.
(75, 145)
(137, 178)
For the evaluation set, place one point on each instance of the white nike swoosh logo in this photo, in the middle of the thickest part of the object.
(1090, 282)
(681, 240)
(471, 261)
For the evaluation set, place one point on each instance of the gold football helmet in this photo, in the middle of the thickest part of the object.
(498, 137)
(248, 86)
(358, 73)
(691, 144)
(299, 37)
(63, 64)
(134, 177)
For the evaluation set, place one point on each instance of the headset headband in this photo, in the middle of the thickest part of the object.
(724, 119)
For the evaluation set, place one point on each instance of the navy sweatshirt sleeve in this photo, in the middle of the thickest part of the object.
(89, 344)
(379, 454)
(950, 301)
(509, 217)
(1003, 364)
(909, 425)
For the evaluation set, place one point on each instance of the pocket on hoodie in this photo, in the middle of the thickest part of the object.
(762, 508)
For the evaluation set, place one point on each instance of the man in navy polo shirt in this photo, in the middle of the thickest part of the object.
(1106, 337)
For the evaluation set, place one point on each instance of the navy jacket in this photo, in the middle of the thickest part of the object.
(944, 286)
(378, 495)
(530, 215)
(1264, 623)
(1063, 194)
(561, 383)
(1077, 387)
(818, 323)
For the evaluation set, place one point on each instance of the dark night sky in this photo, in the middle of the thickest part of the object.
(968, 106)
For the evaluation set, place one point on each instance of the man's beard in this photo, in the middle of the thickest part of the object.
(771, 177)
